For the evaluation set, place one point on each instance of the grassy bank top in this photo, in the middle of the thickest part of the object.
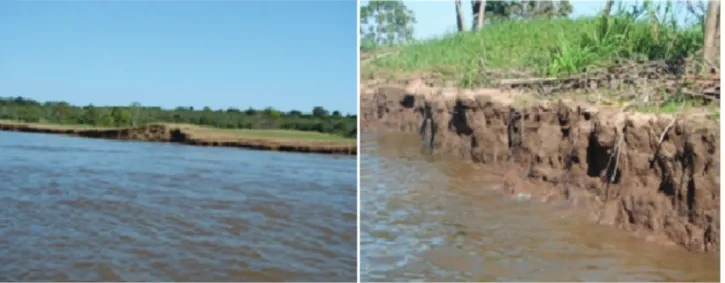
(557, 47)
(537, 47)
(274, 134)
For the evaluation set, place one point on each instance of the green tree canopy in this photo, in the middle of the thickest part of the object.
(320, 112)
(384, 23)
(121, 117)
(524, 9)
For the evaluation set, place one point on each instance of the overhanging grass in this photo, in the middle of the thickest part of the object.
(542, 47)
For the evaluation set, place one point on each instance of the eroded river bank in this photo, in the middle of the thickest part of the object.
(644, 173)
(649, 177)
(435, 218)
(189, 135)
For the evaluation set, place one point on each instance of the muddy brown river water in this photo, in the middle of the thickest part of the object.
(433, 218)
(74, 209)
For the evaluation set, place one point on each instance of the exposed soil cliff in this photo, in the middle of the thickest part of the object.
(191, 136)
(639, 172)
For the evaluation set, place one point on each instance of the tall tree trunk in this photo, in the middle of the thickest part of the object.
(607, 8)
(711, 23)
(480, 14)
(474, 9)
(459, 17)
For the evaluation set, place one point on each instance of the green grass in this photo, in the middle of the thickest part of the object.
(668, 107)
(283, 134)
(679, 104)
(218, 133)
(542, 47)
(715, 116)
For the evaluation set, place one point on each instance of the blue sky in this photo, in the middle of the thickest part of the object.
(432, 23)
(436, 18)
(288, 55)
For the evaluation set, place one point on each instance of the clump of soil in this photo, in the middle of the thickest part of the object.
(189, 135)
(642, 172)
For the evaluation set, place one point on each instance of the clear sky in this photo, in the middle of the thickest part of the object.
(288, 55)
(436, 18)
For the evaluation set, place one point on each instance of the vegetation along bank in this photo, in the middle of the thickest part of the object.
(268, 129)
(616, 114)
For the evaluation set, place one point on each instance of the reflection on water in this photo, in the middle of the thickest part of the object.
(436, 219)
(96, 210)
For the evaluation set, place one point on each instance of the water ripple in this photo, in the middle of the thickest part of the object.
(95, 210)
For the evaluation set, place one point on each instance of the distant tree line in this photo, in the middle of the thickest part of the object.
(60, 112)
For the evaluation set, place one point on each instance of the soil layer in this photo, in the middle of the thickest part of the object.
(655, 175)
(190, 135)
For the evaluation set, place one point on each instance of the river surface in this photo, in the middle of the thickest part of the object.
(428, 218)
(99, 210)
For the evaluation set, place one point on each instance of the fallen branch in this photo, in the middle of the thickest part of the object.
(667, 129)
(616, 163)
(661, 140)
(512, 82)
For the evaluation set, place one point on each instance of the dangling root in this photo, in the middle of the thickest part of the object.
(616, 152)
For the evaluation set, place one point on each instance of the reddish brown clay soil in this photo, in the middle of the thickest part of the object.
(190, 136)
(667, 190)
